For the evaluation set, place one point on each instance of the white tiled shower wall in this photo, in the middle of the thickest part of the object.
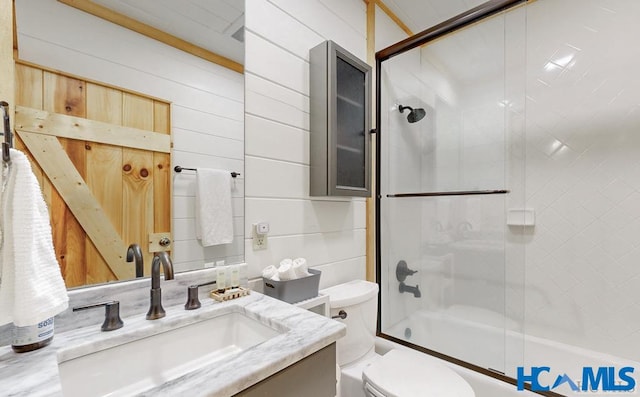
(583, 174)
(574, 277)
(207, 103)
(330, 233)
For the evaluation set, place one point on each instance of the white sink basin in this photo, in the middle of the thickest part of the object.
(148, 362)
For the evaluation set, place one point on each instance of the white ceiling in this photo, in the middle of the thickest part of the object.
(209, 24)
(419, 15)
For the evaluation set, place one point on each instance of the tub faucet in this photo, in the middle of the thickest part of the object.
(156, 310)
(135, 253)
(407, 288)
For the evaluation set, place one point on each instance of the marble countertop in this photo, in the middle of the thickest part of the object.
(36, 373)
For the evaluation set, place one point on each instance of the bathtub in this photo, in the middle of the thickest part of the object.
(477, 337)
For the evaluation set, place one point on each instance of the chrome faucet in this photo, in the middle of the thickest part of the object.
(134, 252)
(156, 310)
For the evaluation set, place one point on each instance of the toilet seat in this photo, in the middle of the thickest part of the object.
(406, 374)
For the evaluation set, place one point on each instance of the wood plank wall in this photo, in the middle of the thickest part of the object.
(132, 185)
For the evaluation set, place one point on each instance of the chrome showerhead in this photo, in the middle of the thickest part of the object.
(414, 115)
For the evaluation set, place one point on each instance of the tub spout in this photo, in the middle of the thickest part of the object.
(413, 290)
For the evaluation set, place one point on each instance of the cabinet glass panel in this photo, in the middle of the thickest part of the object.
(351, 134)
(340, 104)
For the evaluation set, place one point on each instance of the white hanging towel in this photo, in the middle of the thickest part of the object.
(31, 286)
(214, 219)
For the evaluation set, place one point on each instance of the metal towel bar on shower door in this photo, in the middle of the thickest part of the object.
(451, 193)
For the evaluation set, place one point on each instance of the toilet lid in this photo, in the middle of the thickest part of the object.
(351, 293)
(402, 373)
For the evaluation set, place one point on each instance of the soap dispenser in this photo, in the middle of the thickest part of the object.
(32, 337)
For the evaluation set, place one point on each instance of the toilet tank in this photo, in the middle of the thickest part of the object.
(359, 299)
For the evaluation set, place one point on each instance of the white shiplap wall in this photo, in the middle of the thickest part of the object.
(207, 103)
(330, 233)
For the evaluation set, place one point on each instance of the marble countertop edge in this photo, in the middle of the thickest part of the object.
(302, 333)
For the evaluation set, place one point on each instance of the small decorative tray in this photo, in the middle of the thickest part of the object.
(228, 294)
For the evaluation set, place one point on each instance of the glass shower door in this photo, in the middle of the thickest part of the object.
(451, 275)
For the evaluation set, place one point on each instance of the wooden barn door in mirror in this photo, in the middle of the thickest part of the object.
(102, 156)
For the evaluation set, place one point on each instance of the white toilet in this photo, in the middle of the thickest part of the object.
(398, 373)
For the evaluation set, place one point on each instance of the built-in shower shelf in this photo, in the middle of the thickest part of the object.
(521, 217)
(451, 193)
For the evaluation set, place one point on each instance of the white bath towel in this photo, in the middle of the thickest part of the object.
(31, 286)
(214, 218)
(300, 267)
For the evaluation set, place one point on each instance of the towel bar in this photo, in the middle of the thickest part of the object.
(178, 168)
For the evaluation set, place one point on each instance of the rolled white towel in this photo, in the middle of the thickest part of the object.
(286, 261)
(300, 267)
(285, 272)
(269, 272)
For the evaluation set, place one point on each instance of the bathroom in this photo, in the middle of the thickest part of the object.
(540, 106)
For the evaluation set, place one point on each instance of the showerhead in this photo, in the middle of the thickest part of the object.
(414, 115)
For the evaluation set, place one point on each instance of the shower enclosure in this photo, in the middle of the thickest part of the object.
(508, 189)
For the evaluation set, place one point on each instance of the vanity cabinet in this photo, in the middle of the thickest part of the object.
(340, 143)
(313, 376)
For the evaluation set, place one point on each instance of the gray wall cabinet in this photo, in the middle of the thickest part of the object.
(340, 144)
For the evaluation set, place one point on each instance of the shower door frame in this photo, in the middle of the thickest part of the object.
(451, 25)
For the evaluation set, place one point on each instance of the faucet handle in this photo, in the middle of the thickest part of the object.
(402, 271)
(112, 320)
(192, 296)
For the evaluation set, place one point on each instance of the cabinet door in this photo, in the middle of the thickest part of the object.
(350, 115)
(340, 98)
(313, 376)
(349, 136)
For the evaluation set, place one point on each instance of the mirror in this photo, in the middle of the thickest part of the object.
(58, 42)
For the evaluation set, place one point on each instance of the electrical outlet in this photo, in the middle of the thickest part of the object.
(259, 239)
